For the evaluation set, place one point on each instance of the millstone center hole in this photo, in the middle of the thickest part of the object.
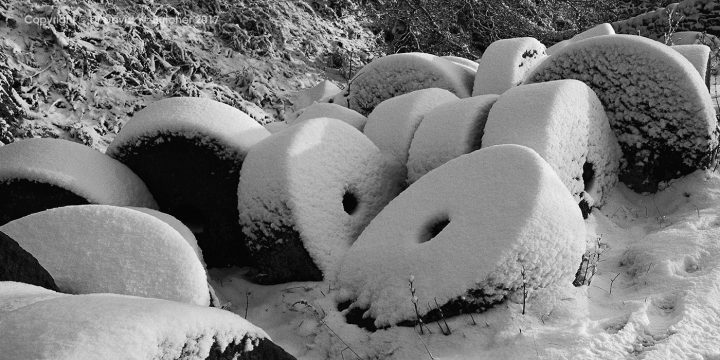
(350, 202)
(434, 228)
(588, 176)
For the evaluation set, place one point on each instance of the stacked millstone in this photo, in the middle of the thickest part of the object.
(466, 235)
(392, 125)
(16, 264)
(446, 132)
(189, 152)
(398, 74)
(505, 64)
(40, 174)
(655, 100)
(565, 123)
(41, 324)
(305, 195)
(113, 250)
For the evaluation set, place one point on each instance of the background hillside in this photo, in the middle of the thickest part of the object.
(79, 69)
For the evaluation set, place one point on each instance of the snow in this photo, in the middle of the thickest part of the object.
(77, 168)
(557, 119)
(193, 118)
(657, 104)
(295, 180)
(598, 30)
(398, 74)
(392, 124)
(507, 209)
(276, 126)
(307, 97)
(505, 63)
(698, 55)
(176, 224)
(330, 110)
(14, 295)
(446, 132)
(113, 249)
(472, 65)
(108, 326)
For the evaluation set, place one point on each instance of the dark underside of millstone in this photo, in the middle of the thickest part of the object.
(264, 350)
(667, 165)
(475, 301)
(21, 197)
(191, 182)
(285, 261)
(18, 265)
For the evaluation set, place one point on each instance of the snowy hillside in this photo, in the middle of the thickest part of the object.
(256, 180)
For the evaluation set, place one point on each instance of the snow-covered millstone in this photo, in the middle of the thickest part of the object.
(598, 30)
(472, 65)
(654, 98)
(398, 74)
(39, 174)
(446, 132)
(305, 195)
(16, 264)
(506, 63)
(102, 248)
(391, 126)
(465, 231)
(109, 326)
(189, 152)
(699, 57)
(565, 123)
(330, 110)
(320, 92)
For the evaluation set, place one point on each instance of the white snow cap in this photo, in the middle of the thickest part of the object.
(446, 132)
(598, 30)
(109, 326)
(101, 248)
(392, 124)
(306, 97)
(176, 224)
(275, 126)
(657, 104)
(331, 110)
(505, 209)
(398, 74)
(14, 295)
(505, 64)
(699, 57)
(472, 65)
(192, 118)
(564, 122)
(297, 180)
(86, 172)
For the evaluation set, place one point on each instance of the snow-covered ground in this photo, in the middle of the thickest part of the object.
(654, 296)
